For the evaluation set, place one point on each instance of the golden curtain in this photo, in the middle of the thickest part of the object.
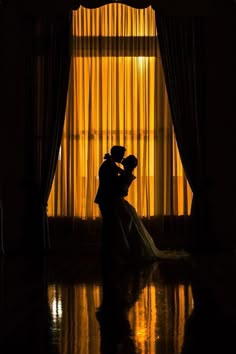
(117, 95)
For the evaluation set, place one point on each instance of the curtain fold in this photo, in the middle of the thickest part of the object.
(182, 48)
(52, 45)
(117, 95)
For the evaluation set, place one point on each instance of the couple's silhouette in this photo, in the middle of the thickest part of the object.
(124, 237)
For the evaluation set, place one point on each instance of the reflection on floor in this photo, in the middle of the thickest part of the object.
(73, 304)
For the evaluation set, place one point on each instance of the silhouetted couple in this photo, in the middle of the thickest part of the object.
(124, 237)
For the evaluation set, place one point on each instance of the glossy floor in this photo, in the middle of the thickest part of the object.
(71, 304)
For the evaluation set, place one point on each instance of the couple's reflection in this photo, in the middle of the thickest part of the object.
(121, 288)
(211, 326)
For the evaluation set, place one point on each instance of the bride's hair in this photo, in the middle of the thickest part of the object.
(130, 162)
(107, 156)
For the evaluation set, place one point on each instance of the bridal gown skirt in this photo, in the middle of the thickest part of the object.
(129, 238)
(125, 237)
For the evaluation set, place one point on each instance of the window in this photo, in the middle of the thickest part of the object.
(117, 95)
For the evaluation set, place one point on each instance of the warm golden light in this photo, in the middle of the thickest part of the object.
(56, 309)
(114, 20)
(117, 96)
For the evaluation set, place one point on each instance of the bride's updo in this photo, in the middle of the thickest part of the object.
(130, 162)
(107, 156)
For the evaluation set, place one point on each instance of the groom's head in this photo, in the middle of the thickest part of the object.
(117, 152)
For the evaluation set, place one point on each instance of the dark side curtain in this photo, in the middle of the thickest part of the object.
(51, 74)
(181, 41)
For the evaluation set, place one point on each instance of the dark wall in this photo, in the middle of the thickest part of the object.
(13, 117)
(221, 126)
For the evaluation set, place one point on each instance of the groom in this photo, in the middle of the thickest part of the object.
(108, 173)
(106, 193)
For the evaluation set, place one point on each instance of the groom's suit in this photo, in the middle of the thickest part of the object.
(107, 189)
(105, 198)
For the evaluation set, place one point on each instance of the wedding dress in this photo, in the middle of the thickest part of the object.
(130, 238)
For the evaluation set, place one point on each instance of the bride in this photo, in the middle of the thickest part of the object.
(130, 239)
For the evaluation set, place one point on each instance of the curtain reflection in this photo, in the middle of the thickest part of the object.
(153, 315)
(76, 331)
(117, 95)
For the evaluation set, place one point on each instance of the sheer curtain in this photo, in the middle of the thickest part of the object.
(117, 95)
